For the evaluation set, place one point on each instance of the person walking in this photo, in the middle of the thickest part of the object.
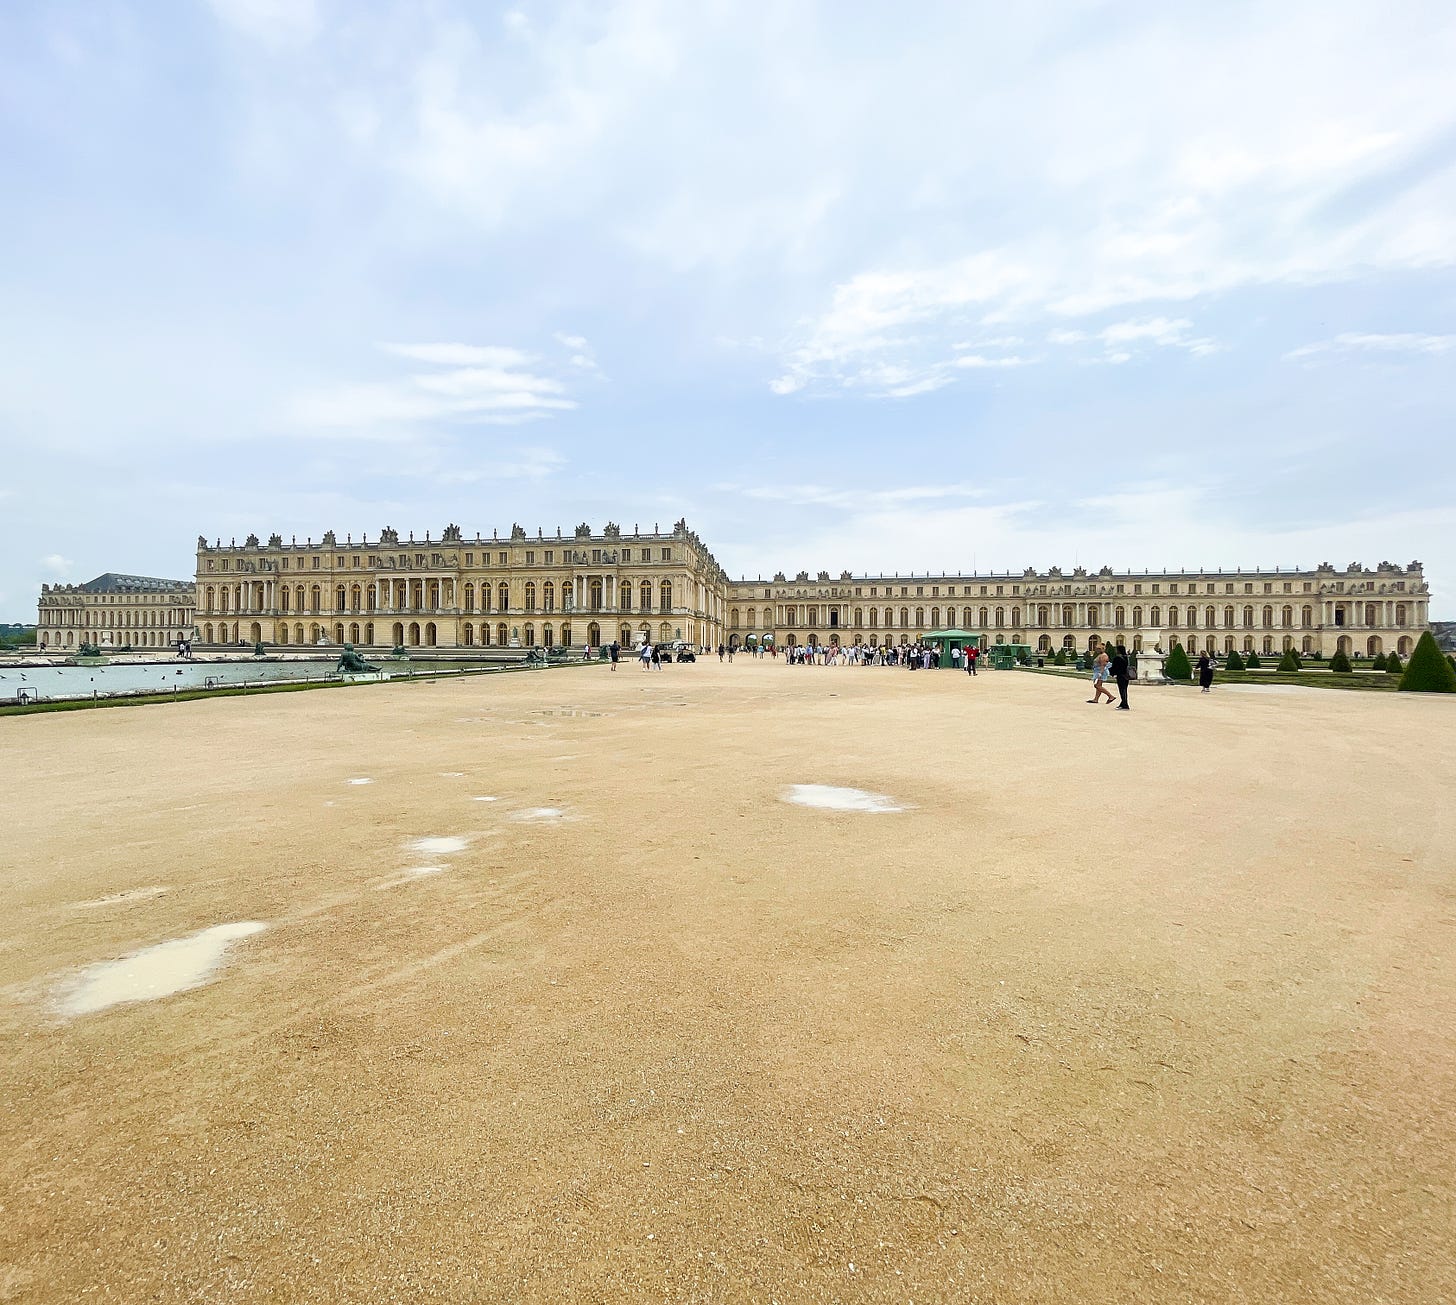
(645, 656)
(1121, 672)
(1100, 676)
(972, 658)
(1205, 672)
(720, 652)
(613, 652)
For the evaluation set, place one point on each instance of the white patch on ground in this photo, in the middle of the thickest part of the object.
(539, 815)
(485, 799)
(361, 781)
(121, 899)
(154, 972)
(442, 845)
(827, 797)
(452, 774)
(569, 757)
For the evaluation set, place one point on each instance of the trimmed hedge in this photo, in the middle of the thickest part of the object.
(1340, 664)
(1289, 662)
(1392, 664)
(1233, 662)
(1177, 666)
(1428, 671)
(1253, 662)
(1378, 664)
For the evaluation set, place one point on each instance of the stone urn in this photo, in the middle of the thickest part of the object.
(1150, 660)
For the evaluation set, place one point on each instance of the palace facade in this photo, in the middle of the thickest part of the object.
(115, 611)
(459, 592)
(1356, 610)
(525, 591)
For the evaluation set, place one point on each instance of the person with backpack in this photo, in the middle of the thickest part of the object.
(1121, 672)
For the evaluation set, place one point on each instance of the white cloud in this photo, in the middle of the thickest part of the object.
(476, 385)
(272, 22)
(53, 564)
(1401, 342)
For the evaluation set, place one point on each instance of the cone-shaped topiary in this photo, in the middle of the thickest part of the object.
(1452, 660)
(1061, 658)
(1252, 661)
(1428, 671)
(1177, 666)
(1234, 662)
(1340, 664)
(1379, 663)
(1289, 662)
(1393, 666)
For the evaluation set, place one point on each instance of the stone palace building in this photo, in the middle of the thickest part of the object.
(590, 588)
(115, 611)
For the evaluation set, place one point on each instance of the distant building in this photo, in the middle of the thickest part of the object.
(115, 611)
(1359, 611)
(457, 592)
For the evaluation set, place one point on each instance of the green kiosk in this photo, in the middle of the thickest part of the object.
(1006, 655)
(944, 640)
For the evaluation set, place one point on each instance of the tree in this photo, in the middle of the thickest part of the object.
(1253, 662)
(1177, 666)
(1392, 665)
(1428, 671)
(1061, 658)
(1340, 664)
(1234, 661)
(1379, 663)
(1289, 662)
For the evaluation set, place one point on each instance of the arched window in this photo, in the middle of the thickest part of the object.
(469, 633)
(503, 597)
(1000, 617)
(904, 618)
(1094, 615)
(874, 617)
(858, 618)
(1269, 643)
(338, 598)
(1268, 620)
(920, 617)
(529, 635)
(1155, 616)
(1069, 614)
(646, 595)
(1228, 618)
(546, 639)
(733, 618)
(1172, 616)
(530, 605)
(316, 597)
(985, 618)
(548, 600)
(1137, 616)
(753, 618)
(665, 595)
(624, 599)
(1119, 618)
(1192, 617)
(1306, 615)
(1210, 617)
(1288, 615)
(469, 598)
(1400, 618)
(502, 635)
(1248, 618)
(1015, 617)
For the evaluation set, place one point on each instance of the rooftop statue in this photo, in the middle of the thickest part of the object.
(518, 531)
(330, 539)
(275, 540)
(389, 535)
(251, 541)
(612, 530)
(451, 535)
(583, 531)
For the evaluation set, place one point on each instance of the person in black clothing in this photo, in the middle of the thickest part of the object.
(1205, 672)
(1121, 673)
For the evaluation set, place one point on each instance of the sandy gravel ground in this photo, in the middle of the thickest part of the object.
(1147, 1006)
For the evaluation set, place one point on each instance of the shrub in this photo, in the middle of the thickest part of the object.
(1234, 662)
(1340, 663)
(1289, 662)
(1428, 671)
(1252, 661)
(1177, 667)
(1379, 663)
(1392, 665)
(1061, 658)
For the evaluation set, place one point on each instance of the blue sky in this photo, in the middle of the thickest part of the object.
(848, 285)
